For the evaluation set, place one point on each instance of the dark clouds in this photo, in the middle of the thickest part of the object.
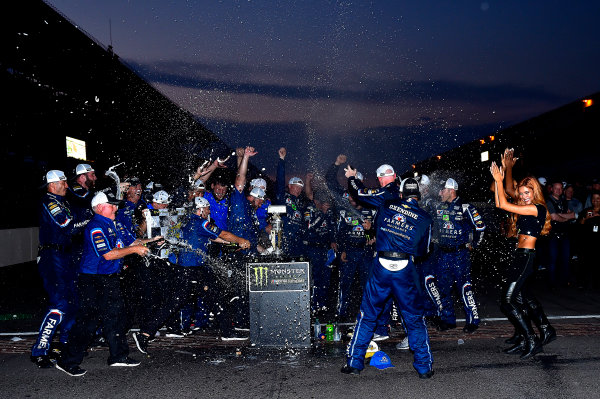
(384, 91)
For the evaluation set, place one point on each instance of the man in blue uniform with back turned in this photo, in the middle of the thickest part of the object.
(403, 232)
(459, 229)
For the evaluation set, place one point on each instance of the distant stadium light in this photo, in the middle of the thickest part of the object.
(587, 102)
(76, 148)
(485, 156)
(481, 141)
(492, 138)
(414, 166)
(438, 156)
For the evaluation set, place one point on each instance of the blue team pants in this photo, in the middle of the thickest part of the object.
(427, 272)
(358, 259)
(59, 277)
(400, 285)
(321, 276)
(455, 268)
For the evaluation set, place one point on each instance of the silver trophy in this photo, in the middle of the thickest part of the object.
(276, 229)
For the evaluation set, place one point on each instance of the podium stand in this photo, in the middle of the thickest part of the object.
(279, 296)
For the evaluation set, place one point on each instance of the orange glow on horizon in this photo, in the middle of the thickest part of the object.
(587, 102)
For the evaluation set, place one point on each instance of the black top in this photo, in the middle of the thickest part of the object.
(532, 225)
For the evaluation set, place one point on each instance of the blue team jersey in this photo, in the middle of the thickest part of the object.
(197, 233)
(403, 227)
(126, 214)
(262, 214)
(350, 232)
(320, 227)
(218, 210)
(293, 221)
(457, 222)
(57, 223)
(101, 236)
(242, 219)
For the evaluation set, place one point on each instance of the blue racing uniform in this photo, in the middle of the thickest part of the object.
(126, 215)
(57, 268)
(403, 231)
(319, 235)
(457, 225)
(352, 238)
(243, 220)
(99, 289)
(293, 221)
(218, 210)
(262, 214)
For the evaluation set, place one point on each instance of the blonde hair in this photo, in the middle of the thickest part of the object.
(538, 199)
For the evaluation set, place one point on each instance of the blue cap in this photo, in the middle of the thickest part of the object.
(381, 360)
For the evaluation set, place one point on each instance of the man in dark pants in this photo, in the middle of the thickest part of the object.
(56, 266)
(106, 242)
(403, 232)
(190, 260)
(460, 228)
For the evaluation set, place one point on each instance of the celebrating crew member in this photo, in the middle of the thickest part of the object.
(530, 220)
(293, 223)
(56, 265)
(100, 299)
(196, 236)
(403, 232)
(456, 222)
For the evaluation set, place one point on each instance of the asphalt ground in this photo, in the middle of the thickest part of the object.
(202, 366)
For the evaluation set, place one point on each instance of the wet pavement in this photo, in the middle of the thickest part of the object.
(201, 366)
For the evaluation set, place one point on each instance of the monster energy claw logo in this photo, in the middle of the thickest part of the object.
(259, 272)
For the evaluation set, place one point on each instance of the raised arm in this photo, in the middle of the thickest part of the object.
(501, 202)
(240, 179)
(508, 162)
(308, 190)
(280, 179)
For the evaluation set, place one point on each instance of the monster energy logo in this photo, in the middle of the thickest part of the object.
(259, 273)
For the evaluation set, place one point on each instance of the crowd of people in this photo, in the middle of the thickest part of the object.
(108, 264)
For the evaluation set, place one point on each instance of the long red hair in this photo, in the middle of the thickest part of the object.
(538, 199)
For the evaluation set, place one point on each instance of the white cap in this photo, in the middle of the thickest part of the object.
(451, 183)
(542, 180)
(258, 182)
(201, 202)
(83, 168)
(55, 175)
(296, 180)
(161, 197)
(425, 180)
(385, 170)
(359, 176)
(198, 185)
(258, 192)
(103, 198)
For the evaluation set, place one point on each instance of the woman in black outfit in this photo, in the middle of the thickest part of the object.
(530, 219)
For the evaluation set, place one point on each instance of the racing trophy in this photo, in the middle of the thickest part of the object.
(276, 229)
(279, 294)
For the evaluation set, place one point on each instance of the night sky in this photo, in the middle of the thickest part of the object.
(384, 82)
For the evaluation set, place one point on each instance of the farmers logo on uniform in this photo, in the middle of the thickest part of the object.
(349, 219)
(448, 226)
(288, 201)
(400, 218)
(297, 215)
(358, 228)
(120, 244)
(440, 212)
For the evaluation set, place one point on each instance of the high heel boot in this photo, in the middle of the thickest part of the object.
(547, 332)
